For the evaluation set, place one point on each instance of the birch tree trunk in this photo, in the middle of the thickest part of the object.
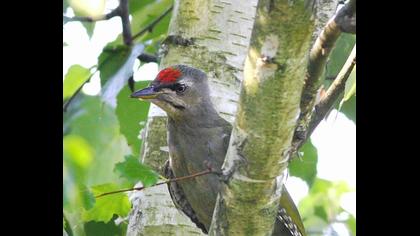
(267, 113)
(212, 35)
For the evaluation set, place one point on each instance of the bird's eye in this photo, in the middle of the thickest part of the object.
(180, 88)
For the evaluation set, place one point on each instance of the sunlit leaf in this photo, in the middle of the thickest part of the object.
(106, 206)
(92, 8)
(132, 115)
(132, 170)
(323, 200)
(351, 224)
(78, 150)
(97, 123)
(305, 167)
(75, 77)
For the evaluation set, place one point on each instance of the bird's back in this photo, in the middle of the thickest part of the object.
(196, 197)
(192, 150)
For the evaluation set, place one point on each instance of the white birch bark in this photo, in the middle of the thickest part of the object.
(267, 113)
(212, 35)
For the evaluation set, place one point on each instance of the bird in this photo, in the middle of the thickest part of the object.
(198, 137)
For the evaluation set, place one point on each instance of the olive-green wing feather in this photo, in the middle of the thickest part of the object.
(286, 202)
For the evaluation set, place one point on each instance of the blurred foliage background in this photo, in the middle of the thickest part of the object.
(101, 129)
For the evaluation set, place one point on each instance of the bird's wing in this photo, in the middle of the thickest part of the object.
(179, 199)
(289, 214)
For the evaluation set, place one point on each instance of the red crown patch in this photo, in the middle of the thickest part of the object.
(168, 75)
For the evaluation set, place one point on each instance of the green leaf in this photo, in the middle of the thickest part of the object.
(155, 44)
(87, 197)
(321, 213)
(339, 54)
(348, 108)
(75, 77)
(119, 79)
(111, 59)
(351, 224)
(97, 123)
(132, 170)
(323, 200)
(350, 87)
(93, 228)
(136, 5)
(132, 116)
(90, 123)
(67, 226)
(89, 27)
(77, 151)
(106, 206)
(65, 5)
(147, 14)
(305, 168)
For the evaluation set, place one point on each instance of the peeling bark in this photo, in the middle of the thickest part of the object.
(267, 113)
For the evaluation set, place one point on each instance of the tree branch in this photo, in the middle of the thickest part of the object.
(126, 27)
(113, 13)
(317, 60)
(258, 152)
(149, 27)
(332, 94)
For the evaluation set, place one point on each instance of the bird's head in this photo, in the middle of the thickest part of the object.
(177, 89)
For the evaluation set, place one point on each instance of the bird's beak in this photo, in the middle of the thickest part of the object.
(146, 93)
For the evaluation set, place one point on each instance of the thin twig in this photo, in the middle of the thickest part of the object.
(317, 60)
(149, 27)
(125, 20)
(208, 171)
(332, 94)
(113, 13)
